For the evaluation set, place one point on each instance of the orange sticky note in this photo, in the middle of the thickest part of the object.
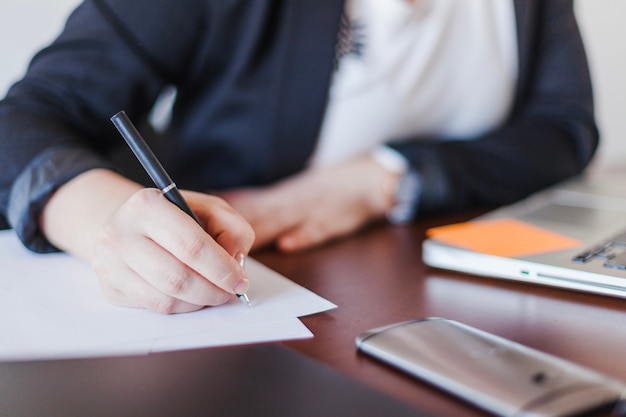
(502, 237)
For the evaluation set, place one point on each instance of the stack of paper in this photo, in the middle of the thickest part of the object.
(51, 307)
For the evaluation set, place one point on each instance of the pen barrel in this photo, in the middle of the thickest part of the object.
(141, 150)
(150, 162)
(176, 197)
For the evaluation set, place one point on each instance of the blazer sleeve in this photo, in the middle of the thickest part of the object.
(54, 123)
(549, 136)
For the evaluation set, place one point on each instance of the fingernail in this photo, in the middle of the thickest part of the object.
(288, 244)
(241, 258)
(241, 287)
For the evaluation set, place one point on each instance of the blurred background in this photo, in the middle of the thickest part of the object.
(27, 25)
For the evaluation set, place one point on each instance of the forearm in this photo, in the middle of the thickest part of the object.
(502, 167)
(73, 215)
(54, 123)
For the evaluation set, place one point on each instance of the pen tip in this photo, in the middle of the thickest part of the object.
(244, 298)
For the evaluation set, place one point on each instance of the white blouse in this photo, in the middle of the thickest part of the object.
(427, 68)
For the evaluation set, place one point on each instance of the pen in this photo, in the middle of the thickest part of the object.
(156, 171)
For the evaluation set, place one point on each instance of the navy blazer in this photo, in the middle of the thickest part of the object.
(252, 79)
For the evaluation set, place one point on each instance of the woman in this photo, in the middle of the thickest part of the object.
(310, 118)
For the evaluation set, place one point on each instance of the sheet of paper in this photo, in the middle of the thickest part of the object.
(51, 306)
(287, 329)
(268, 332)
(502, 237)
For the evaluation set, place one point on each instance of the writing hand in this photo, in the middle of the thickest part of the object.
(150, 254)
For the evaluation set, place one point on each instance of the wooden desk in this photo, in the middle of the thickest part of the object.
(378, 278)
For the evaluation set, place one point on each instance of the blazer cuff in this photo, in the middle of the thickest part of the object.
(34, 186)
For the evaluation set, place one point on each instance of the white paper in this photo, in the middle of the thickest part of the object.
(51, 306)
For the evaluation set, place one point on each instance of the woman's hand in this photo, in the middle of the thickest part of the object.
(151, 254)
(147, 252)
(317, 205)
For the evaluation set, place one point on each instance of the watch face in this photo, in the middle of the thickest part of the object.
(407, 198)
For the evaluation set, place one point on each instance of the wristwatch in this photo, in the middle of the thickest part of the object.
(407, 192)
(407, 198)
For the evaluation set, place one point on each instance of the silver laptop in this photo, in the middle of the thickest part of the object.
(590, 210)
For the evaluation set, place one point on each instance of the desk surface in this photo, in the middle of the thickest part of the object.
(378, 278)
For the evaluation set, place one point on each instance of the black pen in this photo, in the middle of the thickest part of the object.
(155, 170)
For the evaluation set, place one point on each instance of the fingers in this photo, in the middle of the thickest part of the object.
(314, 231)
(298, 241)
(128, 289)
(309, 209)
(187, 242)
(171, 277)
(270, 211)
(151, 254)
(315, 206)
(229, 229)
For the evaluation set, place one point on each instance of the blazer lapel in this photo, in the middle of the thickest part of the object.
(305, 77)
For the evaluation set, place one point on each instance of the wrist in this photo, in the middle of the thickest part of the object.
(407, 194)
(402, 187)
(381, 186)
(74, 213)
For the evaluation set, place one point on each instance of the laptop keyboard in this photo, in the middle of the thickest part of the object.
(612, 253)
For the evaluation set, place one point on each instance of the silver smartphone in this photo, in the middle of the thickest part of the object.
(495, 374)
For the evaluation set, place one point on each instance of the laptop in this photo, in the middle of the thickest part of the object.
(572, 235)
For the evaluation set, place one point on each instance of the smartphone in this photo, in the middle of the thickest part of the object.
(493, 373)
